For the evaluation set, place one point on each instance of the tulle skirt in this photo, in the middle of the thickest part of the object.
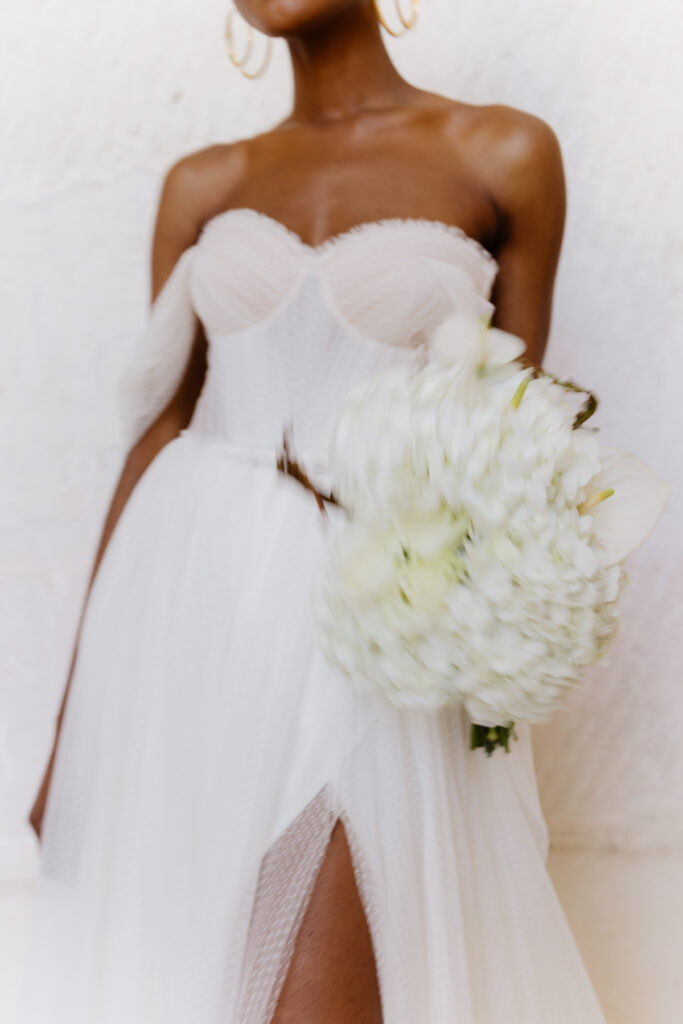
(207, 751)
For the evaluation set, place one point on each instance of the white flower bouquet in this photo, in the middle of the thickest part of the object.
(483, 557)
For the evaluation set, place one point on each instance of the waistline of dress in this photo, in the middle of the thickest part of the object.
(265, 456)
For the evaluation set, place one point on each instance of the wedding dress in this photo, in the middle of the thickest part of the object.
(208, 748)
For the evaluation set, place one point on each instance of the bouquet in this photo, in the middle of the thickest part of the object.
(482, 559)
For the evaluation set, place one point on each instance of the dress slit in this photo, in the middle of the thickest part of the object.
(286, 880)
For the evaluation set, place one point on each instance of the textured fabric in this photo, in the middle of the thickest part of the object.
(208, 748)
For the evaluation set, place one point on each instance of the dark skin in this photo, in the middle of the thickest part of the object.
(360, 144)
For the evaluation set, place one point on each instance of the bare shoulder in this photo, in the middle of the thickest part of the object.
(518, 135)
(192, 189)
(513, 158)
(520, 159)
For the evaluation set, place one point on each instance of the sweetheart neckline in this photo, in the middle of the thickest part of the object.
(364, 227)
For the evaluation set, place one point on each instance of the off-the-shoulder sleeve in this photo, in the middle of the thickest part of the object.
(159, 357)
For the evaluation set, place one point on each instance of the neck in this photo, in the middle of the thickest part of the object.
(342, 68)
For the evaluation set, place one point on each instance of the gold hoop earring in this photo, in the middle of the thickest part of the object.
(240, 62)
(407, 22)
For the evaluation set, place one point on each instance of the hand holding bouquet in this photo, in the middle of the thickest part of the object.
(483, 559)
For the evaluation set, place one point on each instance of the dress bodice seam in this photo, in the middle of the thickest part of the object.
(279, 310)
(319, 267)
(353, 234)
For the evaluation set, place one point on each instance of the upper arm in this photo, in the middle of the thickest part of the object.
(529, 191)
(178, 218)
(194, 189)
(177, 225)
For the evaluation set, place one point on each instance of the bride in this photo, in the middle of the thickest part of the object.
(230, 832)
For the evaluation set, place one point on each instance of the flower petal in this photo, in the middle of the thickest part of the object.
(458, 283)
(502, 347)
(427, 535)
(457, 339)
(623, 521)
(367, 558)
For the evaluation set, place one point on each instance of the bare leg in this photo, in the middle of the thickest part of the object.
(332, 977)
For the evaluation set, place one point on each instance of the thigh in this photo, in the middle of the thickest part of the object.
(332, 976)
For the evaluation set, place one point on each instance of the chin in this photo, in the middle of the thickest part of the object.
(289, 17)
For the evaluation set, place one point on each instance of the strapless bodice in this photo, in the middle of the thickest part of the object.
(291, 326)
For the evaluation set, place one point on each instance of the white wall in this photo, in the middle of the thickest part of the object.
(96, 100)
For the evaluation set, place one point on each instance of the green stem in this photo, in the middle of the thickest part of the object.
(490, 737)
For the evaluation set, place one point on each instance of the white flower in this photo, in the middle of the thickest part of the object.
(625, 500)
(473, 344)
(465, 336)
(427, 534)
(368, 556)
(425, 586)
(483, 562)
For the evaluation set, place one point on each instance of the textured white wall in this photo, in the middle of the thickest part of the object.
(96, 100)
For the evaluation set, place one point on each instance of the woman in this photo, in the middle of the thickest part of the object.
(232, 834)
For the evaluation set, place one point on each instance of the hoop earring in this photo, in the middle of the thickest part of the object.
(407, 22)
(240, 62)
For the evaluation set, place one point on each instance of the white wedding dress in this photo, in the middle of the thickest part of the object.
(208, 747)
